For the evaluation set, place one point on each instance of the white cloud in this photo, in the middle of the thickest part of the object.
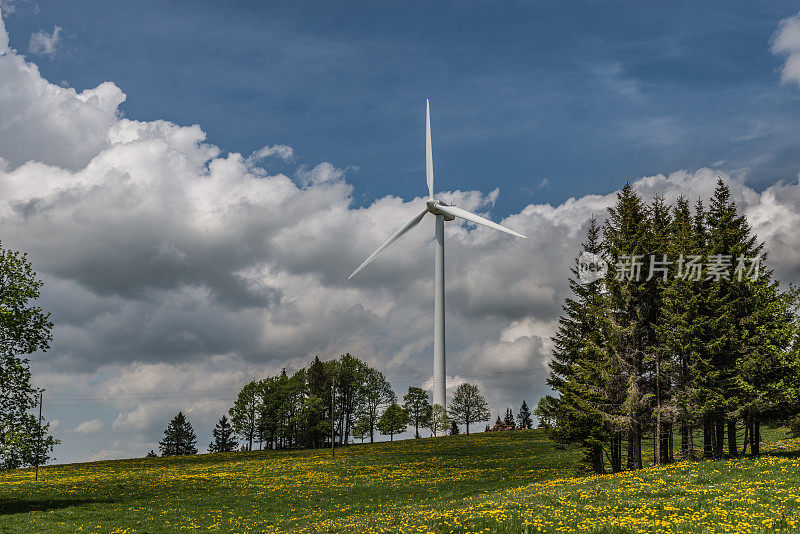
(45, 44)
(89, 427)
(284, 152)
(786, 41)
(171, 267)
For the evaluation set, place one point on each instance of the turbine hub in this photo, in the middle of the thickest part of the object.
(433, 207)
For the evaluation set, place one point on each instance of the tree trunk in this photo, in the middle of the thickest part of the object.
(658, 437)
(635, 447)
(685, 433)
(616, 453)
(708, 438)
(670, 443)
(719, 442)
(755, 438)
(733, 449)
(597, 459)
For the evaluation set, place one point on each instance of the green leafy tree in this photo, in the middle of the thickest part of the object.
(393, 421)
(376, 393)
(439, 421)
(524, 419)
(223, 437)
(179, 438)
(24, 329)
(468, 406)
(361, 429)
(245, 411)
(418, 408)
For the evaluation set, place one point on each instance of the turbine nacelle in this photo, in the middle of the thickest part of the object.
(433, 207)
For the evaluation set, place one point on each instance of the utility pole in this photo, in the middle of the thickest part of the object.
(333, 420)
(39, 439)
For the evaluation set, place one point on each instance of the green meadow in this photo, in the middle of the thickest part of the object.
(488, 482)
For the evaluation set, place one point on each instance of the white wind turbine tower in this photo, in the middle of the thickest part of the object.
(443, 212)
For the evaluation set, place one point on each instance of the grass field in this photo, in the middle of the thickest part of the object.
(496, 482)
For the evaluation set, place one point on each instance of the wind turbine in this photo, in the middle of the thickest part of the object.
(443, 212)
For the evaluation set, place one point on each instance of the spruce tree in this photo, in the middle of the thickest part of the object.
(223, 437)
(582, 413)
(509, 418)
(524, 419)
(179, 438)
(454, 429)
(628, 314)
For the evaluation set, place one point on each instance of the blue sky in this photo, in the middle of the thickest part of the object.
(175, 273)
(545, 100)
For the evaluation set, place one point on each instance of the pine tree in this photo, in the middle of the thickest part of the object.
(179, 438)
(223, 437)
(454, 429)
(524, 419)
(509, 419)
(628, 327)
(587, 404)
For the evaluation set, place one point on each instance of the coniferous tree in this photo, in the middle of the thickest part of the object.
(589, 401)
(454, 431)
(628, 327)
(675, 334)
(524, 419)
(509, 418)
(179, 438)
(151, 454)
(223, 437)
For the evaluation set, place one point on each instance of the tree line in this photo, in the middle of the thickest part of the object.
(342, 400)
(675, 330)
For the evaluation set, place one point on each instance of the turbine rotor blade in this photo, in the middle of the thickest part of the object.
(397, 235)
(428, 150)
(477, 219)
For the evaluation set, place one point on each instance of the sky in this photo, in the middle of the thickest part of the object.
(194, 181)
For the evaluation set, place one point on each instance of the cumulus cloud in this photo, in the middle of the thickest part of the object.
(45, 44)
(786, 41)
(283, 152)
(89, 427)
(172, 267)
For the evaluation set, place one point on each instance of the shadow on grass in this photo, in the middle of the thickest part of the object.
(10, 507)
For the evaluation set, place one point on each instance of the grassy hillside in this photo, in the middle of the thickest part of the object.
(503, 482)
